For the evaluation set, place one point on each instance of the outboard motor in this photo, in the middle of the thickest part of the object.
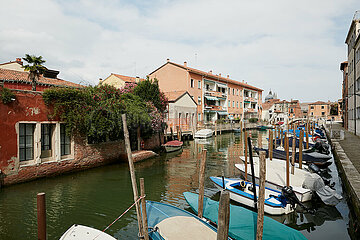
(315, 169)
(289, 194)
(322, 147)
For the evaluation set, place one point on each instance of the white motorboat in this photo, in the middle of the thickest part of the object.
(204, 133)
(242, 192)
(80, 232)
(276, 177)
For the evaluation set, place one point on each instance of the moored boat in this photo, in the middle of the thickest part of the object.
(242, 192)
(168, 222)
(276, 177)
(172, 146)
(243, 221)
(80, 232)
(204, 133)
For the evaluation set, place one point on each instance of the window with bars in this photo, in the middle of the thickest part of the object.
(26, 141)
(65, 142)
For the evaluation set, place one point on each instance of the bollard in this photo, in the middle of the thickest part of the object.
(41, 216)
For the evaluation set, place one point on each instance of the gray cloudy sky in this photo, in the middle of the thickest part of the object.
(292, 47)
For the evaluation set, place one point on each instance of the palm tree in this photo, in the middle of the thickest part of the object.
(36, 69)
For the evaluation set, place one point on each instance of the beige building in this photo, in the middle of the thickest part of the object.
(182, 111)
(118, 80)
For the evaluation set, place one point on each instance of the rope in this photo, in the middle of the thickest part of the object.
(121, 215)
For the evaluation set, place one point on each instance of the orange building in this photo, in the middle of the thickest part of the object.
(217, 97)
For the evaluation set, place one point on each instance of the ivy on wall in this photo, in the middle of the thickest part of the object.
(96, 112)
(6, 95)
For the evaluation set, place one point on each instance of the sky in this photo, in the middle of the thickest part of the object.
(293, 48)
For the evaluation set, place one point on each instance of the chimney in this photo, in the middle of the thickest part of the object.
(168, 60)
(210, 71)
(18, 60)
(228, 76)
(100, 81)
(185, 64)
(137, 79)
(220, 74)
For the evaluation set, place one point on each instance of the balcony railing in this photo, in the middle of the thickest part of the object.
(214, 108)
(214, 93)
(250, 110)
(250, 99)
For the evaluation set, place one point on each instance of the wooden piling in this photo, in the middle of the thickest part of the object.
(223, 216)
(275, 137)
(215, 129)
(271, 144)
(301, 140)
(181, 137)
(138, 139)
(246, 153)
(261, 201)
(287, 160)
(41, 216)
(172, 133)
(281, 138)
(143, 207)
(201, 184)
(293, 155)
(132, 172)
(220, 128)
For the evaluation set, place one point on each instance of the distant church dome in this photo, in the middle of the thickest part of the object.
(270, 96)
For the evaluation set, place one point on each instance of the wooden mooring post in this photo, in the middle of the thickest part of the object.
(271, 144)
(143, 207)
(261, 201)
(293, 155)
(132, 173)
(172, 133)
(301, 140)
(215, 129)
(287, 160)
(138, 139)
(223, 216)
(41, 216)
(246, 153)
(201, 183)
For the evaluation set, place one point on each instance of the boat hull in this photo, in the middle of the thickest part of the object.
(249, 200)
(204, 133)
(277, 181)
(172, 148)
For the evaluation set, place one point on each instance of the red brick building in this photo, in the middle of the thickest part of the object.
(32, 145)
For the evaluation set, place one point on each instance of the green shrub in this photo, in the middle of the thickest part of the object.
(6, 95)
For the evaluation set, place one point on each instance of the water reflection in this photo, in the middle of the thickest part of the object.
(98, 196)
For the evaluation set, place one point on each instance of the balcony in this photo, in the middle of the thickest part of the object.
(250, 110)
(214, 94)
(214, 108)
(250, 99)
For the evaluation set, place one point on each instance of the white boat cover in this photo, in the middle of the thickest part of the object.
(80, 232)
(328, 195)
(183, 227)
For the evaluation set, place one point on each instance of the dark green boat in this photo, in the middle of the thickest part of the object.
(243, 221)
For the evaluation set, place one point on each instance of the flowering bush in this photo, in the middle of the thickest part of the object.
(96, 111)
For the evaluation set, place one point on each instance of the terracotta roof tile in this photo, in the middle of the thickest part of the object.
(173, 96)
(217, 77)
(319, 103)
(12, 75)
(127, 78)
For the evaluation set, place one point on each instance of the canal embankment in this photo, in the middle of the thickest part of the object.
(346, 149)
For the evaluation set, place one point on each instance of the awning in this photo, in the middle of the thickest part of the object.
(211, 98)
(223, 113)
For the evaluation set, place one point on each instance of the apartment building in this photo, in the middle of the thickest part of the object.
(353, 75)
(218, 97)
(344, 100)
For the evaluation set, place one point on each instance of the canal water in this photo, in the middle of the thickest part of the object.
(96, 197)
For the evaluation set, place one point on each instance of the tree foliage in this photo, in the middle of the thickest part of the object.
(96, 111)
(6, 95)
(35, 67)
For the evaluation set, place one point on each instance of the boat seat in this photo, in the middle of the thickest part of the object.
(183, 227)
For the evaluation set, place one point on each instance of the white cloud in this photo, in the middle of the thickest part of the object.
(291, 47)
